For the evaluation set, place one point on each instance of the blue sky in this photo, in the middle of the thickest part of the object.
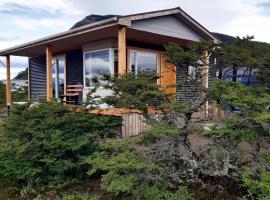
(26, 20)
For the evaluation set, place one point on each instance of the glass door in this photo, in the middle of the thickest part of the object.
(58, 75)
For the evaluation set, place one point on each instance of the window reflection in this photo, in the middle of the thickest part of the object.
(96, 64)
(143, 61)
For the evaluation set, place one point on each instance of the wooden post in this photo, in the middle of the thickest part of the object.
(8, 83)
(221, 114)
(204, 75)
(122, 51)
(49, 73)
(214, 110)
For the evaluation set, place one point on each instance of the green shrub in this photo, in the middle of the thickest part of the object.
(44, 145)
(79, 197)
(259, 186)
(237, 128)
(120, 166)
(158, 131)
(159, 192)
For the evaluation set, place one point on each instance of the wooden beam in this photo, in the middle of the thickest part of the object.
(49, 73)
(204, 75)
(8, 82)
(214, 110)
(221, 114)
(122, 51)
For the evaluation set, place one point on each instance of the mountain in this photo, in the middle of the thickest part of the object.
(225, 38)
(23, 75)
(91, 19)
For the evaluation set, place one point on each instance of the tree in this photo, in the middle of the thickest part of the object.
(136, 91)
(198, 55)
(246, 53)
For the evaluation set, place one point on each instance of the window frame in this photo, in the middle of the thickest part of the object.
(111, 64)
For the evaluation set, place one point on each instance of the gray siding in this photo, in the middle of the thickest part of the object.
(186, 89)
(167, 25)
(37, 76)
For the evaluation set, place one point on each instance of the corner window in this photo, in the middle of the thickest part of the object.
(97, 63)
(143, 61)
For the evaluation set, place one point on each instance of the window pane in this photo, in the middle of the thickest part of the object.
(143, 61)
(146, 61)
(96, 63)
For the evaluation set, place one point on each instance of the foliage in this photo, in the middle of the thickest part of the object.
(128, 174)
(194, 55)
(2, 93)
(252, 104)
(20, 95)
(158, 131)
(136, 91)
(145, 191)
(78, 197)
(92, 100)
(120, 165)
(44, 145)
(239, 128)
(245, 53)
(252, 101)
(259, 186)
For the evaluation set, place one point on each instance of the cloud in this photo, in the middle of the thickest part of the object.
(26, 20)
(8, 38)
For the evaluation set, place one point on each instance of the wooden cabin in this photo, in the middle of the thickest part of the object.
(111, 44)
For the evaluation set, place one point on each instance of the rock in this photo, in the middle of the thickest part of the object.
(264, 147)
(192, 127)
(199, 143)
(247, 151)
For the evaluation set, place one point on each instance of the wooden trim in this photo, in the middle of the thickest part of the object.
(8, 82)
(49, 73)
(122, 51)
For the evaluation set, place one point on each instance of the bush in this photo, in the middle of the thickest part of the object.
(158, 131)
(158, 192)
(259, 186)
(241, 129)
(78, 197)
(120, 165)
(44, 145)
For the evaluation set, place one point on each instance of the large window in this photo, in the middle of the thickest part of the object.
(97, 63)
(143, 61)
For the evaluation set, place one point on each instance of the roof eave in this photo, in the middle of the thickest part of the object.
(45, 40)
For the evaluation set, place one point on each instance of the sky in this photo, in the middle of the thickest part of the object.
(25, 20)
